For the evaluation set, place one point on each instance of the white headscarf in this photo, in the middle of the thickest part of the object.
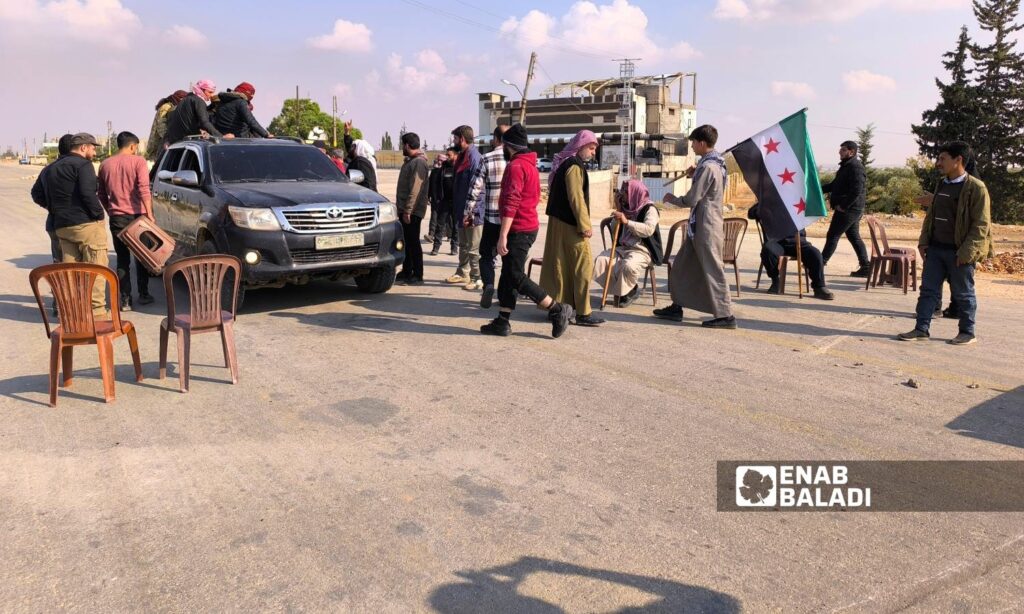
(365, 150)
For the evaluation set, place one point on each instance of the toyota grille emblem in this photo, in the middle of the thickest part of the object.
(335, 212)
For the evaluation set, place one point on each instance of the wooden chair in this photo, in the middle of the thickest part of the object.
(902, 260)
(735, 230)
(649, 275)
(204, 276)
(783, 265)
(72, 284)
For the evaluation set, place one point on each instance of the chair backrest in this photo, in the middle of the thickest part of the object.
(606, 224)
(204, 276)
(873, 226)
(72, 284)
(680, 225)
(882, 236)
(735, 229)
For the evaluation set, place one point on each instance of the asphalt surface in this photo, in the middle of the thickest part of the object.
(379, 455)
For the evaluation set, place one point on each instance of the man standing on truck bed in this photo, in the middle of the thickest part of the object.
(192, 115)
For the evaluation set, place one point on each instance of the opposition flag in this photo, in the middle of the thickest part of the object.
(778, 165)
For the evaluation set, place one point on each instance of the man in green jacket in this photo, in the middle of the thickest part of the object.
(955, 236)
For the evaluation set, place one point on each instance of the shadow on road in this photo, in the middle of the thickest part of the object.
(497, 590)
(19, 308)
(999, 420)
(31, 261)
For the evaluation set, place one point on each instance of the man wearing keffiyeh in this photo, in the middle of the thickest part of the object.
(568, 265)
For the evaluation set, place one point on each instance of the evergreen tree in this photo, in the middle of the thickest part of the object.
(957, 114)
(865, 143)
(999, 85)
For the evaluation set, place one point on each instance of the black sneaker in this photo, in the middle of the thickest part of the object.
(414, 281)
(774, 288)
(560, 316)
(726, 323)
(629, 299)
(486, 297)
(499, 327)
(454, 252)
(914, 335)
(938, 310)
(588, 320)
(434, 252)
(863, 271)
(126, 302)
(962, 339)
(824, 294)
(951, 312)
(146, 299)
(672, 312)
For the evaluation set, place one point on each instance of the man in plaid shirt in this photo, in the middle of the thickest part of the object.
(488, 183)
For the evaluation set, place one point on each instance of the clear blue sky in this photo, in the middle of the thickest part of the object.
(74, 65)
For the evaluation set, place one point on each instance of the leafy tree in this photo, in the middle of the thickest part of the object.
(999, 87)
(299, 117)
(865, 143)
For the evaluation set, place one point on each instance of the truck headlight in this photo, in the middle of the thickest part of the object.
(254, 218)
(387, 213)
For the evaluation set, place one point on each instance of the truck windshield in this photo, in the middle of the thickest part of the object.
(262, 163)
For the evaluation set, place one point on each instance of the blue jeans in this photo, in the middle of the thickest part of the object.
(939, 264)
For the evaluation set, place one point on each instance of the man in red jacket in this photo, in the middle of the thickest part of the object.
(520, 194)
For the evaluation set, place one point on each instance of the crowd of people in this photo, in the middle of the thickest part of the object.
(485, 205)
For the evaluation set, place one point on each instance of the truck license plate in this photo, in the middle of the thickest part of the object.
(339, 241)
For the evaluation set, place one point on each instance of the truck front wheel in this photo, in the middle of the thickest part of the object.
(377, 280)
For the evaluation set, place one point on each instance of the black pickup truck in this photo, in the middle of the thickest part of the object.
(282, 207)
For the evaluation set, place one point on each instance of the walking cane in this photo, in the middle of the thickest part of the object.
(611, 260)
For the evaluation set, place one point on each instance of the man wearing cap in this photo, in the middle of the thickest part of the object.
(193, 115)
(70, 188)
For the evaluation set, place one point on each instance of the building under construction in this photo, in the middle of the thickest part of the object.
(644, 119)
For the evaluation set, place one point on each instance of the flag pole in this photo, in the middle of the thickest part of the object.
(799, 267)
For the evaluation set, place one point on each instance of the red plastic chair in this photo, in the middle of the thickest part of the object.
(204, 276)
(72, 284)
(886, 262)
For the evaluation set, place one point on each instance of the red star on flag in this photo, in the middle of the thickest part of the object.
(787, 177)
(800, 206)
(771, 146)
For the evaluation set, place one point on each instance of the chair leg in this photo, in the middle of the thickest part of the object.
(913, 273)
(133, 344)
(871, 272)
(905, 266)
(163, 351)
(67, 362)
(760, 269)
(184, 356)
(227, 334)
(106, 351)
(55, 351)
(736, 268)
(782, 276)
(654, 286)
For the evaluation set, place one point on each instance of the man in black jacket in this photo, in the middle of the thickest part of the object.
(231, 113)
(442, 193)
(192, 115)
(70, 188)
(848, 197)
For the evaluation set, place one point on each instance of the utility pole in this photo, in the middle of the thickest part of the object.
(526, 88)
(110, 126)
(627, 69)
(334, 118)
(297, 113)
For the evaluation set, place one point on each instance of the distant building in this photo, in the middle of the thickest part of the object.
(663, 115)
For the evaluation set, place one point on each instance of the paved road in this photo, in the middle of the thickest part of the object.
(380, 455)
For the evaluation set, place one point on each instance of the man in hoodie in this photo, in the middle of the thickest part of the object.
(70, 187)
(232, 113)
(519, 196)
(411, 201)
(192, 115)
(467, 166)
